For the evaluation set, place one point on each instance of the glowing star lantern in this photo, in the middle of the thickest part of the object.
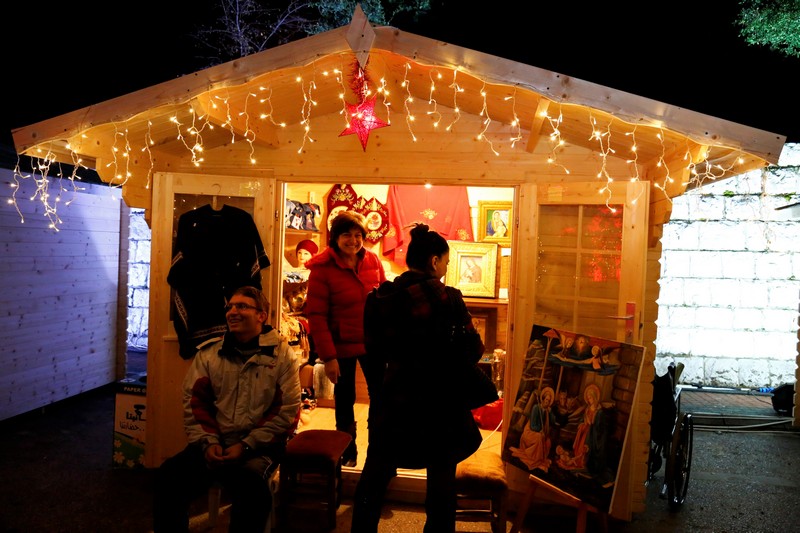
(362, 120)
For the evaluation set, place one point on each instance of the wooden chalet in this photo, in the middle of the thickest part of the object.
(568, 154)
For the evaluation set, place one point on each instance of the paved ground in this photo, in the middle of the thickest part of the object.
(55, 464)
(726, 402)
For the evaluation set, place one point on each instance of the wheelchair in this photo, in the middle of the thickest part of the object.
(671, 437)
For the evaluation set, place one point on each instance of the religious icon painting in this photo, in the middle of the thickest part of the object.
(342, 197)
(377, 218)
(572, 412)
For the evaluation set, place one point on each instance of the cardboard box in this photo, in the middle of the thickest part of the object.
(129, 422)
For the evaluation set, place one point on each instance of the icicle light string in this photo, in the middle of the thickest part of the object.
(148, 142)
(407, 100)
(603, 139)
(267, 101)
(456, 90)
(486, 121)
(635, 163)
(699, 172)
(343, 96)
(249, 135)
(555, 138)
(384, 92)
(662, 163)
(515, 121)
(305, 111)
(434, 111)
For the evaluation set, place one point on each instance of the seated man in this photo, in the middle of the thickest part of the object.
(241, 399)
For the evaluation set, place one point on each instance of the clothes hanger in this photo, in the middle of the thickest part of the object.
(214, 203)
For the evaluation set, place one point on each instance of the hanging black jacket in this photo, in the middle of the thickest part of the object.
(216, 252)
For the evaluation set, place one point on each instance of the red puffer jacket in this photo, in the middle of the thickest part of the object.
(335, 302)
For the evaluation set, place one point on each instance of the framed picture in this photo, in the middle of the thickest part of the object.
(584, 387)
(485, 321)
(495, 222)
(472, 268)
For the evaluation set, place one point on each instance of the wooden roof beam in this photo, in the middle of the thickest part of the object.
(360, 36)
(537, 124)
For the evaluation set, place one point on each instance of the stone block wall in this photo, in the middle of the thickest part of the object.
(138, 281)
(730, 280)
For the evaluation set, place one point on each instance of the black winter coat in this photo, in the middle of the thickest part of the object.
(417, 419)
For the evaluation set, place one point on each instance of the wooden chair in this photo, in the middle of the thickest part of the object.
(482, 489)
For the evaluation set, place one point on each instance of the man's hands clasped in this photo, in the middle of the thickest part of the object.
(216, 455)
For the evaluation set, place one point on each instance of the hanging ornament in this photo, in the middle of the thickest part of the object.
(362, 117)
(341, 197)
(377, 219)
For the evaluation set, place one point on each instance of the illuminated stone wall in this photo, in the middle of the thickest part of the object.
(730, 280)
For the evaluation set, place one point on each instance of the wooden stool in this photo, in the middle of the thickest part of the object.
(215, 497)
(311, 475)
(481, 477)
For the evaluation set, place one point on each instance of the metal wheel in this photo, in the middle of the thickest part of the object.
(679, 462)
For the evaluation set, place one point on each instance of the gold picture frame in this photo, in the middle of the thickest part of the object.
(495, 222)
(485, 321)
(473, 268)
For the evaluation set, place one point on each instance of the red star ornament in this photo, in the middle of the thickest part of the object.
(362, 120)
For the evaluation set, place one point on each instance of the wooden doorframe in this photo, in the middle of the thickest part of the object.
(164, 433)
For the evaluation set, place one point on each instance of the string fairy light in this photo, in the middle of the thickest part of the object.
(247, 131)
(197, 147)
(604, 141)
(191, 136)
(486, 121)
(268, 102)
(148, 142)
(457, 89)
(635, 151)
(555, 138)
(437, 117)
(514, 121)
(384, 92)
(407, 100)
(663, 163)
(305, 112)
(635, 162)
(342, 94)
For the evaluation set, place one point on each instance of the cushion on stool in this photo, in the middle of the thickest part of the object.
(480, 472)
(317, 447)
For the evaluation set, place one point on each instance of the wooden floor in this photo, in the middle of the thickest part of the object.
(323, 418)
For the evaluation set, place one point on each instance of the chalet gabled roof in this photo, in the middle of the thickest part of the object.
(259, 98)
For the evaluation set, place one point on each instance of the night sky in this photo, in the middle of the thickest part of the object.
(63, 58)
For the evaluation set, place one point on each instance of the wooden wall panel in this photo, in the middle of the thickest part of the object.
(58, 295)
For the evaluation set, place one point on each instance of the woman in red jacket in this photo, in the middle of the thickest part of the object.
(339, 280)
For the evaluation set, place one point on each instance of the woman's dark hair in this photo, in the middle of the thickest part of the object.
(424, 245)
(344, 222)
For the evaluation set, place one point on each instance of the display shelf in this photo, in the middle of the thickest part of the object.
(485, 302)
